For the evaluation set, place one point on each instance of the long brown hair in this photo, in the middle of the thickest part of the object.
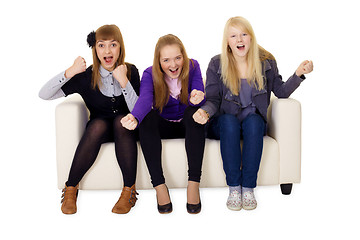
(107, 32)
(161, 89)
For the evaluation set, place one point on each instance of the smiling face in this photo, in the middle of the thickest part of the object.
(239, 42)
(108, 52)
(171, 60)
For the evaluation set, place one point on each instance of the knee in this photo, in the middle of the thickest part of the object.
(118, 127)
(189, 120)
(254, 125)
(149, 120)
(229, 123)
(189, 112)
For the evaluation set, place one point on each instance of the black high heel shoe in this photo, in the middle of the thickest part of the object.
(166, 208)
(193, 208)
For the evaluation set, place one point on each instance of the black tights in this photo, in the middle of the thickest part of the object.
(99, 131)
(154, 128)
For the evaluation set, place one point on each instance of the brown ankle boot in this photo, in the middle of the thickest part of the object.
(126, 201)
(68, 201)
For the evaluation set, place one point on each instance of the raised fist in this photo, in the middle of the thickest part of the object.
(119, 74)
(304, 68)
(79, 66)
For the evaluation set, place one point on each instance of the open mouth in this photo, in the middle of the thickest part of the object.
(174, 71)
(240, 47)
(108, 59)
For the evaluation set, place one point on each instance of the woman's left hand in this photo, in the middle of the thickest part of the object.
(119, 74)
(196, 96)
(304, 68)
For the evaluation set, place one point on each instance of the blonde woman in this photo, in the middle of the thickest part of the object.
(171, 91)
(238, 87)
(110, 90)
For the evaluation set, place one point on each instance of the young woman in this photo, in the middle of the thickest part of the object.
(110, 90)
(238, 87)
(174, 88)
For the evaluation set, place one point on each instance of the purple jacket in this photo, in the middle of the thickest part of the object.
(174, 109)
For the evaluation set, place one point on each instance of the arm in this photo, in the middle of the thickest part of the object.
(130, 88)
(213, 94)
(145, 101)
(196, 85)
(212, 89)
(52, 89)
(285, 89)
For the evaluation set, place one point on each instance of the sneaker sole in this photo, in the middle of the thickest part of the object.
(249, 208)
(233, 208)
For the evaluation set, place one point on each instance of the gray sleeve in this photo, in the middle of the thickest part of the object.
(129, 95)
(212, 89)
(52, 89)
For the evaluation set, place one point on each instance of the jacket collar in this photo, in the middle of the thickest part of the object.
(103, 72)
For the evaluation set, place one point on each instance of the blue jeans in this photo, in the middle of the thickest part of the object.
(241, 167)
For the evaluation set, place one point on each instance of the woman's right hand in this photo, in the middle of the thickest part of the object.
(129, 122)
(201, 116)
(79, 66)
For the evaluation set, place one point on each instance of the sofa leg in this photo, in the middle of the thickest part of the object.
(286, 188)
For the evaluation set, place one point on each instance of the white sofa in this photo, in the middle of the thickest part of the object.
(280, 163)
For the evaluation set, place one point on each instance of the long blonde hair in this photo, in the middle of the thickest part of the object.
(107, 32)
(229, 71)
(161, 89)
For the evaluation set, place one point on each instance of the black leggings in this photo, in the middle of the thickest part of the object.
(154, 128)
(100, 131)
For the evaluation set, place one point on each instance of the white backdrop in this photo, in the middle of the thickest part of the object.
(41, 38)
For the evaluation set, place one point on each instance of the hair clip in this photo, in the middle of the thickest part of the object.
(91, 40)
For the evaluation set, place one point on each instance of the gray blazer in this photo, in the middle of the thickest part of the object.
(220, 100)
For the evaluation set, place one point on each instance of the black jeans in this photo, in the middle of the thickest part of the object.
(154, 128)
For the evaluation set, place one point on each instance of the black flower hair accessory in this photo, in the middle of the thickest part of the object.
(91, 39)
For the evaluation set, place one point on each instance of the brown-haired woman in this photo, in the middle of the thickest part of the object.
(110, 89)
(174, 88)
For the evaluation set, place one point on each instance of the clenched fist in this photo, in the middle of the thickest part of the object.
(79, 66)
(304, 68)
(129, 122)
(200, 116)
(119, 74)
(196, 96)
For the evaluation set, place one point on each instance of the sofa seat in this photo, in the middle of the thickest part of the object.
(280, 163)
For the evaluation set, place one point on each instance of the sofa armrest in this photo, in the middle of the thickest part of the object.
(284, 125)
(71, 117)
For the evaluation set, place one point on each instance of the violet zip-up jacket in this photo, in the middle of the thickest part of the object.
(174, 109)
(220, 100)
